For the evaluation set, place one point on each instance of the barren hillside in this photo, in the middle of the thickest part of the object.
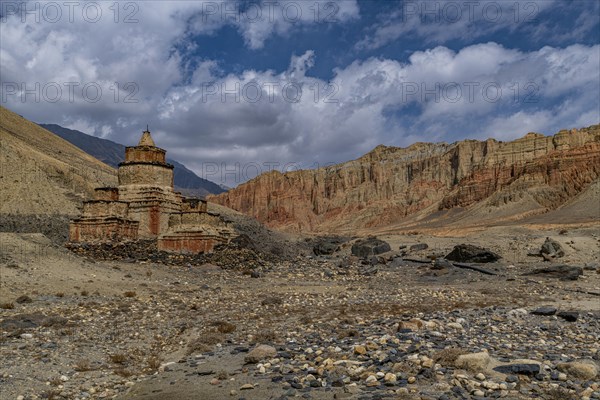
(40, 173)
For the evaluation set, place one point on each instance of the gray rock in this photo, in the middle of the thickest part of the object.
(260, 352)
(591, 267)
(552, 248)
(472, 254)
(569, 316)
(368, 247)
(582, 369)
(441, 263)
(562, 272)
(544, 310)
(419, 247)
(473, 362)
(522, 369)
(327, 245)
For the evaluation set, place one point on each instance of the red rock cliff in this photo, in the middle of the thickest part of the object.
(389, 183)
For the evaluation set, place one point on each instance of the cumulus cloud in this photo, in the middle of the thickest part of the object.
(117, 61)
(364, 104)
(229, 126)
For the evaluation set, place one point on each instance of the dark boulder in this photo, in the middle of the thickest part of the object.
(569, 316)
(366, 248)
(327, 245)
(562, 272)
(544, 310)
(472, 254)
(521, 369)
(552, 249)
(441, 263)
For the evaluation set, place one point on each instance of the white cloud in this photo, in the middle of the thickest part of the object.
(366, 103)
(107, 62)
(370, 104)
(441, 22)
(282, 16)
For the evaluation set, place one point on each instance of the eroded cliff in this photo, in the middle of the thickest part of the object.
(388, 184)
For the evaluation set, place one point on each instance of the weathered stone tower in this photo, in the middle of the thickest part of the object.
(146, 183)
(145, 206)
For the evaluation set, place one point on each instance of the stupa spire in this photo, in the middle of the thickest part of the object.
(146, 139)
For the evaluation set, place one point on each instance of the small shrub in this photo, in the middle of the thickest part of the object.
(271, 301)
(204, 343)
(559, 394)
(196, 346)
(51, 394)
(124, 372)
(83, 365)
(224, 327)
(85, 293)
(448, 356)
(7, 306)
(54, 320)
(153, 363)
(348, 333)
(130, 294)
(60, 294)
(118, 358)
(267, 336)
(55, 381)
(222, 375)
(23, 299)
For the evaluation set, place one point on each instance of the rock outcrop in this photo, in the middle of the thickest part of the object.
(388, 184)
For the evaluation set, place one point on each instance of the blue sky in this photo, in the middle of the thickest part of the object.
(234, 88)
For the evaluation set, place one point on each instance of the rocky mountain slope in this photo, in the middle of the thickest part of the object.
(112, 153)
(42, 174)
(414, 186)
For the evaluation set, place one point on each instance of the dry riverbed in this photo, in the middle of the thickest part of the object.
(325, 327)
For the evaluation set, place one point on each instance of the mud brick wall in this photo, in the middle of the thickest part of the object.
(195, 219)
(140, 174)
(145, 154)
(99, 208)
(188, 243)
(106, 193)
(94, 230)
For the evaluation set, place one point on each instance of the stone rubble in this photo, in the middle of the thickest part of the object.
(336, 337)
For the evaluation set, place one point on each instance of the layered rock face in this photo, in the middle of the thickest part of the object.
(388, 184)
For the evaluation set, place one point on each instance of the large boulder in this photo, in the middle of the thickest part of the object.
(472, 254)
(551, 249)
(365, 248)
(325, 246)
